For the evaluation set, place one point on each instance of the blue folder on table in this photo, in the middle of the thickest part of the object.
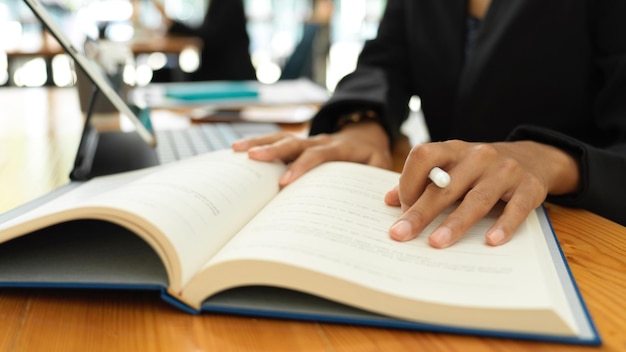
(229, 94)
(213, 90)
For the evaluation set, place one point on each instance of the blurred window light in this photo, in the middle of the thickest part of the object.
(343, 57)
(190, 12)
(143, 74)
(259, 9)
(11, 37)
(32, 73)
(414, 127)
(129, 75)
(276, 26)
(119, 32)
(189, 60)
(157, 61)
(4, 69)
(283, 43)
(62, 73)
(352, 15)
(415, 104)
(110, 11)
(268, 72)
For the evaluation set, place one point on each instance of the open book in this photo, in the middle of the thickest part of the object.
(216, 234)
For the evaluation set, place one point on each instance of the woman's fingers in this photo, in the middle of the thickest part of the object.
(526, 198)
(428, 204)
(282, 145)
(303, 154)
(247, 143)
(419, 163)
(476, 203)
(392, 197)
(323, 148)
(481, 176)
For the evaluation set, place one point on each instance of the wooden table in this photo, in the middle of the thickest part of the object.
(144, 43)
(39, 130)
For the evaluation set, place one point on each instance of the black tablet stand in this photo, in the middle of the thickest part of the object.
(102, 153)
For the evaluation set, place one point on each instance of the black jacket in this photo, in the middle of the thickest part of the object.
(226, 52)
(553, 71)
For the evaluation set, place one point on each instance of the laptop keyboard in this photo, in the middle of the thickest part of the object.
(176, 144)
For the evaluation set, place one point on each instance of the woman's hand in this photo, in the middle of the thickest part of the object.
(518, 173)
(364, 142)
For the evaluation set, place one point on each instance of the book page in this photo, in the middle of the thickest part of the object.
(188, 209)
(333, 223)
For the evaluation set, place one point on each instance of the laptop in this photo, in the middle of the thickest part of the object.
(102, 153)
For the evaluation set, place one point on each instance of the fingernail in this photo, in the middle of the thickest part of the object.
(495, 237)
(401, 230)
(441, 237)
(391, 197)
(258, 148)
(285, 178)
(258, 152)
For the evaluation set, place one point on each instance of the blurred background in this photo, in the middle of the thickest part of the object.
(30, 58)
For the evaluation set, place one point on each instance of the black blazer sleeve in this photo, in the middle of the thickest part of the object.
(380, 81)
(603, 159)
(602, 172)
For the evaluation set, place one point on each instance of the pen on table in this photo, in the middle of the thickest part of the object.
(439, 177)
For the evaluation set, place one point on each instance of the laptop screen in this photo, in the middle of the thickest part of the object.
(95, 75)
